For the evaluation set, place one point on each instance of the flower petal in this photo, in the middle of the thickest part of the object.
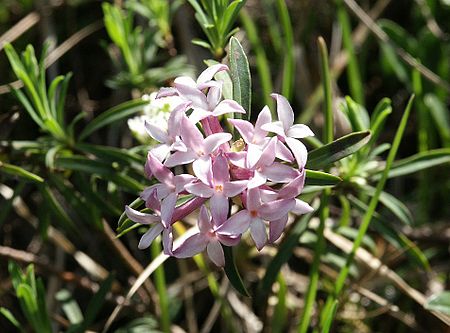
(268, 153)
(199, 189)
(283, 153)
(161, 152)
(215, 253)
(264, 117)
(294, 188)
(156, 133)
(253, 201)
(231, 189)
(244, 128)
(208, 74)
(181, 181)
(254, 153)
(192, 94)
(275, 127)
(276, 228)
(228, 106)
(275, 210)
(258, 179)
(235, 225)
(284, 111)
(228, 240)
(219, 206)
(280, 173)
(161, 172)
(149, 236)
(214, 96)
(199, 114)
(191, 246)
(299, 131)
(174, 121)
(190, 134)
(299, 151)
(258, 233)
(180, 157)
(139, 217)
(213, 141)
(220, 171)
(167, 209)
(203, 169)
(301, 207)
(204, 220)
(167, 239)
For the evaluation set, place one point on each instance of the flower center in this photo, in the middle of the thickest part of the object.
(219, 188)
(253, 213)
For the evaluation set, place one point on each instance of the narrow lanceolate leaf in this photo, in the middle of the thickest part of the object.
(416, 163)
(439, 302)
(232, 272)
(320, 178)
(112, 115)
(240, 75)
(336, 150)
(20, 172)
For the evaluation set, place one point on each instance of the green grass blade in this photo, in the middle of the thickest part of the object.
(232, 272)
(328, 132)
(112, 115)
(160, 283)
(320, 178)
(336, 150)
(20, 172)
(289, 63)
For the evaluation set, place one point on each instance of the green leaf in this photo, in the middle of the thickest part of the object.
(336, 150)
(393, 204)
(20, 172)
(112, 115)
(240, 75)
(440, 114)
(416, 163)
(232, 272)
(320, 178)
(8, 315)
(439, 302)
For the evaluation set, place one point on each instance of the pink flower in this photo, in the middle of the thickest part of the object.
(210, 237)
(255, 214)
(218, 188)
(167, 190)
(198, 149)
(289, 132)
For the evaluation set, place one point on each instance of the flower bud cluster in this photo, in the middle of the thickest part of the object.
(262, 173)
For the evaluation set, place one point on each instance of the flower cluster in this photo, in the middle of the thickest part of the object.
(262, 173)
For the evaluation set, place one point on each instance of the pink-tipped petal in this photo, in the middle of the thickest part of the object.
(139, 217)
(299, 131)
(253, 201)
(244, 128)
(160, 152)
(220, 171)
(299, 151)
(238, 158)
(150, 236)
(156, 133)
(191, 246)
(200, 190)
(264, 117)
(213, 141)
(258, 233)
(215, 253)
(166, 92)
(203, 169)
(214, 96)
(276, 228)
(280, 173)
(283, 153)
(284, 111)
(301, 208)
(275, 210)
(198, 114)
(180, 181)
(178, 145)
(257, 180)
(209, 73)
(219, 207)
(275, 127)
(191, 135)
(228, 240)
(254, 153)
(268, 153)
(204, 220)
(228, 106)
(167, 240)
(294, 188)
(167, 209)
(236, 224)
(231, 189)
(161, 172)
(174, 121)
(180, 157)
